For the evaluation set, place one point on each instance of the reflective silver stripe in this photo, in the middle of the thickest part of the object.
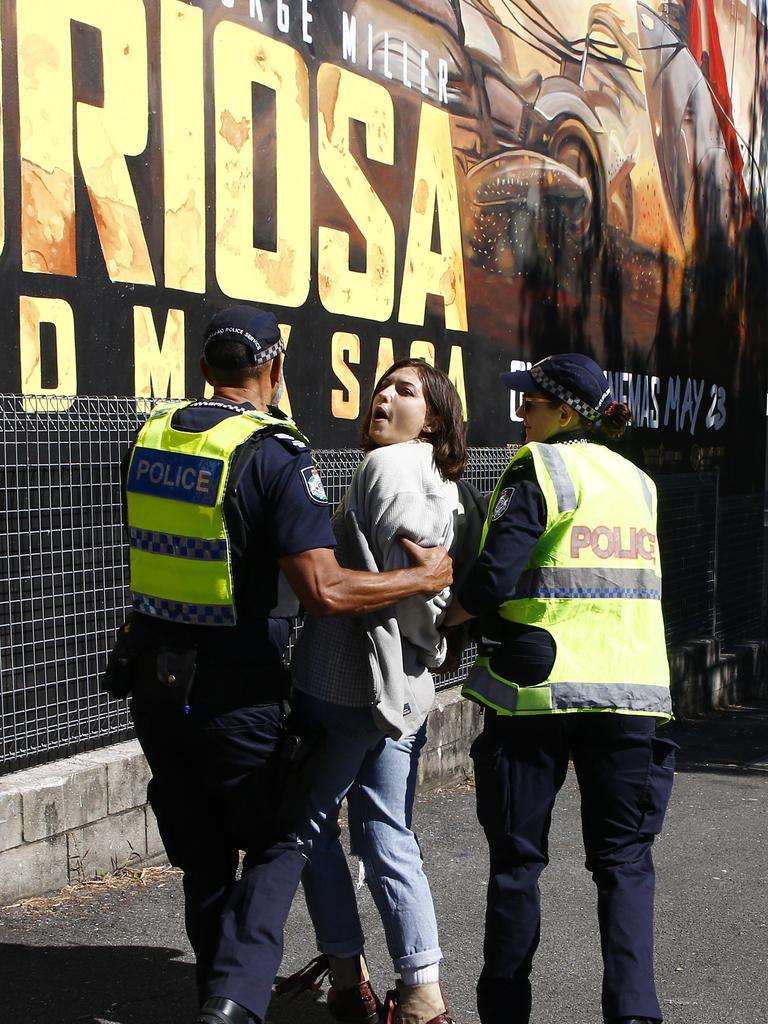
(561, 480)
(481, 682)
(646, 490)
(622, 696)
(176, 611)
(609, 582)
(178, 546)
(650, 699)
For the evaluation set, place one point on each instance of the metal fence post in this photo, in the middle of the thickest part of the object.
(716, 555)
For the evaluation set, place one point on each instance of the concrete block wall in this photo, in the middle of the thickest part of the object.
(705, 677)
(453, 724)
(74, 819)
(79, 818)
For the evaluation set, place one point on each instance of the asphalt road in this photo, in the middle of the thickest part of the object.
(116, 953)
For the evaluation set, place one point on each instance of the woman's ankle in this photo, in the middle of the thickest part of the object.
(348, 972)
(420, 975)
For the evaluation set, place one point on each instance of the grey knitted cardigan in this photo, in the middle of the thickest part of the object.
(381, 660)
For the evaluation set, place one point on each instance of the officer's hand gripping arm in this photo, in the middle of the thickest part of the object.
(325, 588)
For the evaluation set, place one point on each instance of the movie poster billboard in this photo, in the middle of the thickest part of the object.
(479, 182)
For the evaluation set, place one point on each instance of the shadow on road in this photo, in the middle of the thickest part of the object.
(732, 740)
(305, 1007)
(114, 985)
(95, 984)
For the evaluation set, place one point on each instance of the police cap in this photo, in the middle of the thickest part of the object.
(242, 336)
(572, 377)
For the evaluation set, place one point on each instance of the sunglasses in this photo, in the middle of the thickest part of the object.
(528, 403)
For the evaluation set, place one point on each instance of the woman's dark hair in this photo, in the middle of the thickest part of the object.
(614, 421)
(449, 436)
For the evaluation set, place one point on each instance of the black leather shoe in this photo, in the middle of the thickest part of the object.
(636, 1020)
(223, 1011)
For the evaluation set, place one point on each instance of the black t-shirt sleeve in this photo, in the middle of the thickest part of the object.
(295, 509)
(521, 518)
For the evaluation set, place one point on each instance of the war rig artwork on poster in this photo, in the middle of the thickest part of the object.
(480, 182)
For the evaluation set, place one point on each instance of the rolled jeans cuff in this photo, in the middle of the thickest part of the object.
(343, 950)
(414, 961)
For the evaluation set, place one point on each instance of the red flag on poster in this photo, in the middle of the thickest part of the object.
(705, 43)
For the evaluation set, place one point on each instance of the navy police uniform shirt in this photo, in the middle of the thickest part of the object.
(275, 505)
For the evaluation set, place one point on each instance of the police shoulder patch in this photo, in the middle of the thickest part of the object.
(290, 442)
(502, 504)
(314, 485)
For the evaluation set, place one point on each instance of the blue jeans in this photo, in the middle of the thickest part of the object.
(378, 777)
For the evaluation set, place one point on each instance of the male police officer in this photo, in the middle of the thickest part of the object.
(221, 495)
(568, 588)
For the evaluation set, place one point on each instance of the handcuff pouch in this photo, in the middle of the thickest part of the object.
(118, 676)
(301, 747)
(175, 669)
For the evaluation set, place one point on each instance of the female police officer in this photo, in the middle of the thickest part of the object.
(573, 664)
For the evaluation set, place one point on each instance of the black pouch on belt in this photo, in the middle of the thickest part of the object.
(301, 747)
(118, 676)
(176, 667)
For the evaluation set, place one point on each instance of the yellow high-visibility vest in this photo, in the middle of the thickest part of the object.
(593, 582)
(180, 558)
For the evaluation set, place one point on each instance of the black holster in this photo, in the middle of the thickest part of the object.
(301, 747)
(119, 676)
(175, 670)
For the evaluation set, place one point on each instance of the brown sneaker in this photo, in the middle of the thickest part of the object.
(417, 1004)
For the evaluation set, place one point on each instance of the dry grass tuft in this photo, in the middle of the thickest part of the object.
(124, 879)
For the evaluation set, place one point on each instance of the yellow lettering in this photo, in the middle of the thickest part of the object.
(45, 138)
(284, 405)
(434, 189)
(423, 350)
(119, 128)
(370, 293)
(345, 348)
(158, 370)
(106, 134)
(243, 56)
(384, 358)
(456, 375)
(181, 37)
(34, 311)
(2, 159)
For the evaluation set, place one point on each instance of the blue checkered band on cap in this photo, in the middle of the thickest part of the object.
(586, 410)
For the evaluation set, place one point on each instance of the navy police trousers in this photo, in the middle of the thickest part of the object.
(214, 791)
(625, 776)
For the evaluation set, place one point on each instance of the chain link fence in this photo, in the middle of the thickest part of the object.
(687, 519)
(64, 577)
